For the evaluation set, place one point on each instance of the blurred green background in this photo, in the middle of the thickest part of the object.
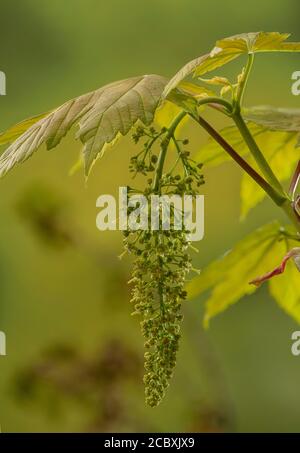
(73, 351)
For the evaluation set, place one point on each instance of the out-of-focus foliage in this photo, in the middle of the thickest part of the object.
(103, 385)
(45, 210)
(48, 214)
(98, 383)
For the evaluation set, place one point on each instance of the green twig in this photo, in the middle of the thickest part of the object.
(243, 83)
(216, 100)
(257, 154)
(180, 156)
(163, 150)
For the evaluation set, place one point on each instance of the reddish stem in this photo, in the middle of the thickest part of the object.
(295, 181)
(279, 200)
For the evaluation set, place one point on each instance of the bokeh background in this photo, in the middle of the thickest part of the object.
(74, 353)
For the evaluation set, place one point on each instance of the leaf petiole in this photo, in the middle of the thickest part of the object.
(243, 83)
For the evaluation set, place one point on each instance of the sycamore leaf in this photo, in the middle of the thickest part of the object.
(183, 100)
(102, 116)
(279, 150)
(228, 278)
(228, 49)
(217, 80)
(18, 129)
(226, 89)
(207, 63)
(258, 42)
(77, 165)
(216, 58)
(181, 75)
(195, 91)
(278, 119)
(285, 289)
(166, 113)
(186, 96)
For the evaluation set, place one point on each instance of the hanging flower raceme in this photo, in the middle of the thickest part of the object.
(161, 263)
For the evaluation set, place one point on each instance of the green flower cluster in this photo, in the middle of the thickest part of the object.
(159, 273)
(161, 264)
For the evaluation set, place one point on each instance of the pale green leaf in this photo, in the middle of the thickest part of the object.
(212, 154)
(102, 116)
(217, 80)
(116, 111)
(183, 100)
(281, 119)
(195, 91)
(166, 113)
(216, 58)
(77, 165)
(181, 75)
(289, 47)
(228, 278)
(187, 95)
(279, 150)
(285, 289)
(203, 64)
(254, 42)
(18, 129)
(228, 49)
